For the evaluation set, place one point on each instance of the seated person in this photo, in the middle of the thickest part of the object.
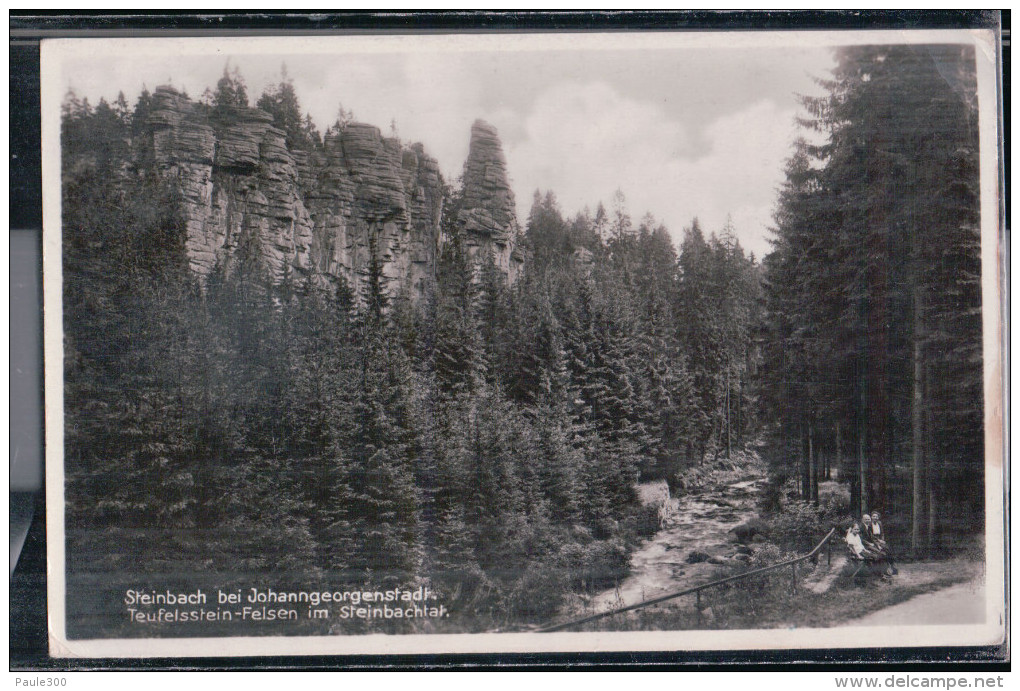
(868, 535)
(875, 544)
(872, 522)
(856, 545)
(877, 537)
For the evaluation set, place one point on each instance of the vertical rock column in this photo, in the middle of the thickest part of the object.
(488, 216)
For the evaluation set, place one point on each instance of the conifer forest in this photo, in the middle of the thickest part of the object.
(303, 359)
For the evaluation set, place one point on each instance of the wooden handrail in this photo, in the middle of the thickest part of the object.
(688, 591)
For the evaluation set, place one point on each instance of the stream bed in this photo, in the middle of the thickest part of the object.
(697, 522)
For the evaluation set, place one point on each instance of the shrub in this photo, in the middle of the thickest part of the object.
(799, 527)
(833, 503)
(538, 594)
(774, 582)
(770, 499)
(645, 520)
(605, 563)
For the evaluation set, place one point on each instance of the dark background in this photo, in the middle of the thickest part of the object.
(28, 632)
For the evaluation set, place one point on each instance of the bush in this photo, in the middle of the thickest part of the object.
(770, 499)
(774, 582)
(599, 565)
(799, 527)
(770, 554)
(834, 502)
(538, 594)
(645, 520)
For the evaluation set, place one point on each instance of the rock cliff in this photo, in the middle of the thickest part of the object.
(326, 212)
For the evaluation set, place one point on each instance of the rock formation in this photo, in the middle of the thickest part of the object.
(488, 213)
(328, 212)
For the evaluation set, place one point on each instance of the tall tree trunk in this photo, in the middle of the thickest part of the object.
(729, 446)
(740, 408)
(812, 465)
(917, 428)
(862, 464)
(931, 475)
(805, 469)
(862, 426)
(883, 465)
(839, 452)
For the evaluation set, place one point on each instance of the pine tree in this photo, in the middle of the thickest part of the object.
(459, 352)
(282, 103)
(231, 91)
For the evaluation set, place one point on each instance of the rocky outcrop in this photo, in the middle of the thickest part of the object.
(488, 214)
(331, 212)
(238, 184)
(328, 213)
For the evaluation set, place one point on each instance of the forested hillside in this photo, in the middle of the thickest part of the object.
(262, 420)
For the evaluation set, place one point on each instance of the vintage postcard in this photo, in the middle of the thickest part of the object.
(523, 342)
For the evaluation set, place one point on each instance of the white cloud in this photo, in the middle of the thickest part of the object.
(681, 140)
(742, 170)
(585, 141)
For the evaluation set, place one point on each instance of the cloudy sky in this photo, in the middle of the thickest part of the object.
(682, 127)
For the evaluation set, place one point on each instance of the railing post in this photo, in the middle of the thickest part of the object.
(828, 546)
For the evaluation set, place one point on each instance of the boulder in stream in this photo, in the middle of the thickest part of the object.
(747, 531)
(697, 556)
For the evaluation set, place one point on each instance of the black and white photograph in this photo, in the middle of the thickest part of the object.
(636, 341)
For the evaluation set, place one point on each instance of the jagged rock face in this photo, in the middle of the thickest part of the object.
(488, 214)
(322, 213)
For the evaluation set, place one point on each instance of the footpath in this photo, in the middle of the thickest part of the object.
(963, 603)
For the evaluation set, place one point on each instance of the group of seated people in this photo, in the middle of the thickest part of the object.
(866, 540)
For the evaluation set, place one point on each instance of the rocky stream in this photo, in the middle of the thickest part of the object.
(696, 540)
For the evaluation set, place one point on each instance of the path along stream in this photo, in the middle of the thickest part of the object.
(703, 521)
(698, 522)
